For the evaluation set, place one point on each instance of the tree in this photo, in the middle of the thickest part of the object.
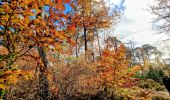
(26, 25)
(91, 16)
(108, 73)
(148, 50)
(161, 10)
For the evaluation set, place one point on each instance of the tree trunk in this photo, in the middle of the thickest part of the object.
(77, 44)
(143, 57)
(85, 39)
(115, 44)
(93, 55)
(85, 42)
(44, 92)
(99, 44)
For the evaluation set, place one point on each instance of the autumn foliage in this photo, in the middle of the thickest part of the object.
(41, 47)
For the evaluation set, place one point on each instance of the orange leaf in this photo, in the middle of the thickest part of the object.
(60, 6)
(71, 28)
(62, 23)
(57, 6)
(59, 1)
(66, 1)
(71, 42)
(63, 15)
(57, 18)
(73, 6)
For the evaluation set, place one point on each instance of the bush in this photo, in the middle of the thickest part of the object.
(161, 96)
(140, 75)
(151, 84)
(155, 74)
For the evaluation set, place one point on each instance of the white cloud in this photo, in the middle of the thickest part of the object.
(113, 2)
(136, 22)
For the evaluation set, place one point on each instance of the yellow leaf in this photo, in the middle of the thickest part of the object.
(47, 2)
(12, 79)
(8, 72)
(2, 86)
(18, 71)
(26, 77)
(1, 80)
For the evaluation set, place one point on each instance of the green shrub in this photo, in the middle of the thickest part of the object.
(155, 74)
(140, 76)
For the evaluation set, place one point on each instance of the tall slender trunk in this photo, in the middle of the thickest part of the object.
(85, 41)
(148, 57)
(93, 55)
(44, 92)
(144, 63)
(99, 44)
(115, 44)
(143, 58)
(77, 45)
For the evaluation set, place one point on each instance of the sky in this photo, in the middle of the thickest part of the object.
(136, 23)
